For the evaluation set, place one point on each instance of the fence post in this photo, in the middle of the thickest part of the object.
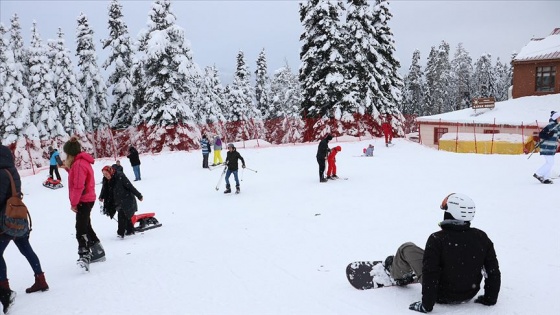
(457, 139)
(474, 133)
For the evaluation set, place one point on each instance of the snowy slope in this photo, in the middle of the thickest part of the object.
(281, 246)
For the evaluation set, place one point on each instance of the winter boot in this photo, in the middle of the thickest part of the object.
(39, 285)
(388, 263)
(228, 189)
(236, 189)
(97, 252)
(547, 181)
(7, 296)
(85, 254)
(334, 176)
(408, 278)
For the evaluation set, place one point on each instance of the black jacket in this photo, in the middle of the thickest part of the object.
(232, 158)
(453, 262)
(124, 194)
(7, 163)
(133, 156)
(323, 148)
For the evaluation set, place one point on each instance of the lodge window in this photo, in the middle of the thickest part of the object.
(545, 79)
(438, 132)
(490, 131)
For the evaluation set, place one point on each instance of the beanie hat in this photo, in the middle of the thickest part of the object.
(108, 169)
(50, 148)
(72, 147)
(338, 148)
(555, 116)
(329, 138)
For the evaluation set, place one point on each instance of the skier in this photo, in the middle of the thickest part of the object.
(332, 163)
(217, 151)
(549, 146)
(54, 162)
(322, 151)
(134, 158)
(81, 188)
(205, 146)
(232, 165)
(455, 259)
(369, 150)
(119, 194)
(7, 296)
(387, 132)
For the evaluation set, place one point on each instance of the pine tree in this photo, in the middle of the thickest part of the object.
(92, 85)
(462, 71)
(413, 98)
(262, 86)
(169, 79)
(437, 80)
(121, 58)
(3, 74)
(17, 46)
(68, 97)
(504, 77)
(45, 113)
(484, 77)
(211, 101)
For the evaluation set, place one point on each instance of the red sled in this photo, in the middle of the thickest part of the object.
(146, 221)
(53, 183)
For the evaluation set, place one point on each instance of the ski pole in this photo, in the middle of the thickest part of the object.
(221, 177)
(535, 149)
(250, 169)
(242, 174)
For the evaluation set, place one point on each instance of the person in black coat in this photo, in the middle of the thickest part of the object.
(232, 164)
(454, 261)
(322, 153)
(134, 158)
(120, 197)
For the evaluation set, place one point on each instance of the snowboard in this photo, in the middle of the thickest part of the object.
(365, 275)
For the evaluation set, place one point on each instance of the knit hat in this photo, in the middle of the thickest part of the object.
(50, 148)
(108, 169)
(72, 147)
(555, 116)
(329, 138)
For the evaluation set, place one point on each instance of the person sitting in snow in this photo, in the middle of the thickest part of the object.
(454, 262)
(331, 170)
(369, 150)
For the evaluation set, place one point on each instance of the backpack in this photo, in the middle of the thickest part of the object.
(16, 220)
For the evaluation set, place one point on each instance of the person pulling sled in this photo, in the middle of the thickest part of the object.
(232, 164)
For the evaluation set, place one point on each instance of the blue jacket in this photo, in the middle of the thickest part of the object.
(550, 136)
(54, 155)
(205, 146)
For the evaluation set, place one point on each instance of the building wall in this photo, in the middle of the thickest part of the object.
(427, 130)
(524, 77)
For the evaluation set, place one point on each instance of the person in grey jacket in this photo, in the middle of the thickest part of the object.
(549, 146)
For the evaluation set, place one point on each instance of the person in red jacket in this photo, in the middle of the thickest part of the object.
(332, 162)
(81, 188)
(387, 132)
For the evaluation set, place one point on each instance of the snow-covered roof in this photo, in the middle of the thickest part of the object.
(541, 48)
(497, 137)
(529, 110)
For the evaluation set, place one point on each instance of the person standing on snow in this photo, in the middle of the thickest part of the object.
(454, 262)
(217, 151)
(205, 146)
(332, 163)
(322, 152)
(54, 162)
(7, 296)
(549, 146)
(134, 158)
(232, 165)
(387, 132)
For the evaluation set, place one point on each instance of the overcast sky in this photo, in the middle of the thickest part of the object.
(217, 30)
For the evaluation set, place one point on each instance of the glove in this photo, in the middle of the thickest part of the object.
(484, 300)
(417, 306)
(243, 166)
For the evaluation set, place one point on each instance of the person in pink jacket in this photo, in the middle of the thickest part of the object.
(81, 187)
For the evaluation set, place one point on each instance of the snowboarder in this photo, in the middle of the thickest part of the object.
(232, 164)
(322, 152)
(205, 146)
(134, 158)
(55, 161)
(369, 150)
(331, 171)
(217, 151)
(7, 296)
(455, 259)
(387, 131)
(549, 145)
(81, 188)
(118, 195)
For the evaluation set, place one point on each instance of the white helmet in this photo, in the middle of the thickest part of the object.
(460, 206)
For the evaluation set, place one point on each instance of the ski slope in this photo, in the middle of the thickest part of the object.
(282, 245)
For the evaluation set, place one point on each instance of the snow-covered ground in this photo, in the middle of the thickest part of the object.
(282, 245)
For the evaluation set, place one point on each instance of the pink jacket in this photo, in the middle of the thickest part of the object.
(81, 182)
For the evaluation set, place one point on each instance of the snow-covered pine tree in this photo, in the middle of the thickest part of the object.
(44, 111)
(461, 76)
(504, 76)
(284, 123)
(170, 79)
(242, 112)
(68, 97)
(211, 102)
(93, 88)
(120, 57)
(437, 79)
(16, 45)
(3, 73)
(413, 97)
(262, 86)
(484, 77)
(323, 66)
